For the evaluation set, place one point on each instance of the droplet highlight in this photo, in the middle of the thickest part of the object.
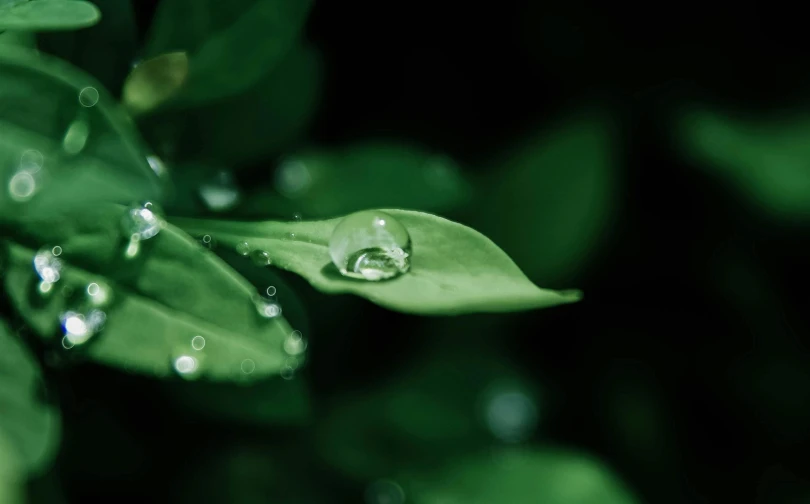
(47, 265)
(80, 327)
(370, 245)
(243, 248)
(142, 222)
(260, 258)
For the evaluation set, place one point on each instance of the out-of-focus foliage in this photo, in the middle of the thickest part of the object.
(29, 428)
(550, 476)
(41, 15)
(154, 81)
(454, 270)
(64, 143)
(764, 159)
(552, 197)
(232, 35)
(322, 182)
(161, 297)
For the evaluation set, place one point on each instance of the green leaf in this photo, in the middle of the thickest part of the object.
(454, 269)
(63, 141)
(326, 183)
(232, 45)
(263, 121)
(169, 292)
(764, 159)
(29, 427)
(42, 15)
(154, 81)
(518, 476)
(552, 197)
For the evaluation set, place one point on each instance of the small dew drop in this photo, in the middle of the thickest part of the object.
(22, 186)
(384, 491)
(291, 236)
(266, 307)
(370, 245)
(88, 96)
(271, 291)
(287, 372)
(260, 258)
(295, 344)
(93, 289)
(510, 414)
(99, 294)
(66, 343)
(185, 366)
(142, 222)
(220, 194)
(79, 327)
(57, 250)
(48, 266)
(197, 342)
(298, 217)
(248, 366)
(31, 160)
(243, 248)
(293, 179)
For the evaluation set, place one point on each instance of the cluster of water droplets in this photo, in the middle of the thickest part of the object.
(138, 224)
(86, 314)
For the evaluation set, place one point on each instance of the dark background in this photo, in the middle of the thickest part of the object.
(694, 308)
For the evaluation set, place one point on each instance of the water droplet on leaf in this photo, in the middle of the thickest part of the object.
(142, 222)
(260, 257)
(79, 327)
(47, 265)
(370, 245)
(22, 186)
(186, 366)
(271, 291)
(243, 248)
(295, 344)
(248, 366)
(266, 307)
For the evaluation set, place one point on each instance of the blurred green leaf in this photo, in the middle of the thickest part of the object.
(11, 479)
(552, 196)
(231, 45)
(30, 428)
(321, 182)
(105, 51)
(454, 269)
(442, 408)
(263, 121)
(550, 476)
(764, 159)
(63, 141)
(169, 292)
(40, 15)
(154, 81)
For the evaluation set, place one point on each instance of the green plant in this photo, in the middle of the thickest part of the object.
(108, 253)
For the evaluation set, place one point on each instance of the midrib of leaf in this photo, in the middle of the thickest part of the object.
(153, 304)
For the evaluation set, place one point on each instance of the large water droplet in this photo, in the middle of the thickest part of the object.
(260, 257)
(80, 327)
(370, 245)
(47, 265)
(141, 222)
(221, 193)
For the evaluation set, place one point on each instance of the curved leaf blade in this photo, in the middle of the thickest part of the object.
(454, 269)
(86, 151)
(155, 81)
(43, 15)
(30, 427)
(171, 292)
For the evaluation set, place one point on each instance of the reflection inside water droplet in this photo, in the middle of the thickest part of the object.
(370, 245)
(88, 96)
(198, 342)
(260, 258)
